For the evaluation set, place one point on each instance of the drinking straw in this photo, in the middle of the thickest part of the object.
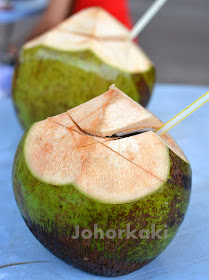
(146, 18)
(184, 114)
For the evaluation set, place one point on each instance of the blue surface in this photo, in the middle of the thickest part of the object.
(21, 10)
(187, 257)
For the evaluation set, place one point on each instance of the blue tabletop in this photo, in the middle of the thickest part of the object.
(187, 257)
(21, 10)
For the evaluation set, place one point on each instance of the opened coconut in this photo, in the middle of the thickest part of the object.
(98, 188)
(77, 61)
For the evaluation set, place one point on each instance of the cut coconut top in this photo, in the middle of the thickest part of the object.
(96, 30)
(61, 151)
(114, 171)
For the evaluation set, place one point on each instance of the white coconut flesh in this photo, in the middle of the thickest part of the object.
(96, 30)
(76, 148)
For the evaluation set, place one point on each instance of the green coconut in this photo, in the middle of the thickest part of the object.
(77, 61)
(98, 188)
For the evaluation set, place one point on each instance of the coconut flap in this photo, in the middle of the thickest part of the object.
(111, 113)
(115, 114)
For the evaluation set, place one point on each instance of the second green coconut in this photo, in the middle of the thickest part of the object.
(77, 61)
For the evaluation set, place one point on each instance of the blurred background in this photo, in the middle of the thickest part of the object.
(177, 39)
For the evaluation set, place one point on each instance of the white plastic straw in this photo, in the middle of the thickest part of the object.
(184, 114)
(146, 18)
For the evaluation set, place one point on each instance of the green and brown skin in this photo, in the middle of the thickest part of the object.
(48, 82)
(52, 212)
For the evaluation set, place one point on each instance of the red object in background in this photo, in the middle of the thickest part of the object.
(118, 8)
